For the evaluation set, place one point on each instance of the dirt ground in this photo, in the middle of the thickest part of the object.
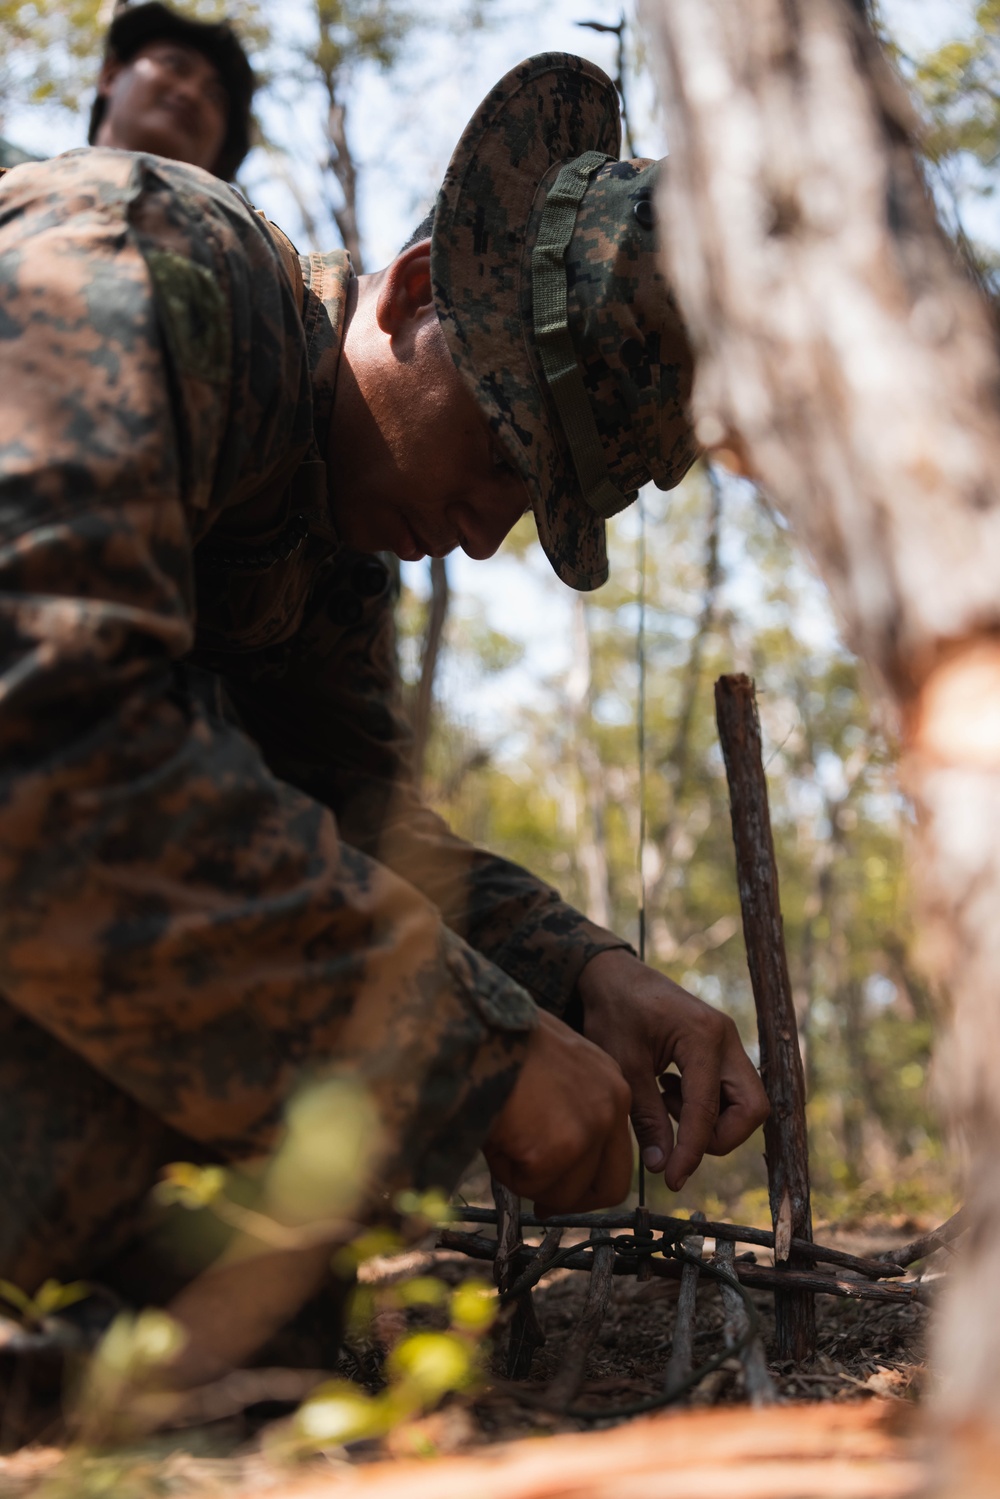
(865, 1349)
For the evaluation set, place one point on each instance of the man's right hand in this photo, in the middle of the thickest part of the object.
(562, 1137)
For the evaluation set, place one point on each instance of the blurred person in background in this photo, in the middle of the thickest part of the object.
(174, 87)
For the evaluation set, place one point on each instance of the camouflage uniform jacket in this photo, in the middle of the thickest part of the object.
(179, 905)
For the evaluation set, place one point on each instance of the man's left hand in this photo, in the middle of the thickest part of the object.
(645, 1021)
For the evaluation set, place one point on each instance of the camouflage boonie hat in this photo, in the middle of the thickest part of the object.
(547, 282)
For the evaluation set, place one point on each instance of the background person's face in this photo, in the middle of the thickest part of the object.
(167, 99)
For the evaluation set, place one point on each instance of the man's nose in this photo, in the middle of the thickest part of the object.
(188, 88)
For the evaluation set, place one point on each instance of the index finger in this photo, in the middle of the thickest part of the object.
(744, 1104)
(696, 1122)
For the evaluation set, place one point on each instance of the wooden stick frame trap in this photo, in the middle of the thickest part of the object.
(649, 1245)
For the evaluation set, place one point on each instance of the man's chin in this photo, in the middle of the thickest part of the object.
(157, 141)
(407, 545)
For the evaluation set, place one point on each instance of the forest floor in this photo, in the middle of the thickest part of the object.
(866, 1351)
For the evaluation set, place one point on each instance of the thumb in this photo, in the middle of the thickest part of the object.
(651, 1122)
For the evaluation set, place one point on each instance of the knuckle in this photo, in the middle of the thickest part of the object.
(644, 1122)
(717, 1026)
(702, 1112)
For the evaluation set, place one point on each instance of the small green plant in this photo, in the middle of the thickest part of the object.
(122, 1391)
(314, 1189)
(311, 1187)
(51, 1297)
(421, 1370)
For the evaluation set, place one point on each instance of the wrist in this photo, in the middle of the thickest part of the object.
(602, 976)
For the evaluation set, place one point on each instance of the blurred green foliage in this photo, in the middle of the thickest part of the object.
(959, 85)
(51, 1297)
(956, 88)
(50, 50)
(421, 1369)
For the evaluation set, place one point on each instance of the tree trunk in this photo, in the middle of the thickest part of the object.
(847, 363)
(342, 165)
(423, 699)
(592, 850)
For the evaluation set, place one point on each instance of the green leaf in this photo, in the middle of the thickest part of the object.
(15, 1297)
(474, 1306)
(431, 1364)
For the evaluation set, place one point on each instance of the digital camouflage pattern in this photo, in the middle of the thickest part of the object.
(194, 678)
(627, 332)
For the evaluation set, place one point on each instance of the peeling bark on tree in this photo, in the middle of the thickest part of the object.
(847, 363)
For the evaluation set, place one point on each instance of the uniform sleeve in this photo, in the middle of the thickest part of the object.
(329, 716)
(170, 909)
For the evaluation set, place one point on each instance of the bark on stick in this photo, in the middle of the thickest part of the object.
(682, 1349)
(757, 1277)
(525, 1334)
(780, 1059)
(569, 1378)
(756, 1380)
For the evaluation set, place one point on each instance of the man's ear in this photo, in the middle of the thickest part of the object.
(405, 292)
(110, 69)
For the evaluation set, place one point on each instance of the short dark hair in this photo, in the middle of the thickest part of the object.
(423, 231)
(135, 26)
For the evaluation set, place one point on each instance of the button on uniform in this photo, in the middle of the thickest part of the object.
(645, 213)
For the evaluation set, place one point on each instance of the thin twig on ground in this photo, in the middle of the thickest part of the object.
(756, 1380)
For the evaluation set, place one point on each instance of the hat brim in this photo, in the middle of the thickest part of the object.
(544, 112)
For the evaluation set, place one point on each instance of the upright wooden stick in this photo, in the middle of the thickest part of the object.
(681, 1352)
(569, 1376)
(525, 1334)
(780, 1060)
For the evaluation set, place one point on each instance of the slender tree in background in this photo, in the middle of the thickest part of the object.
(422, 696)
(349, 33)
(591, 798)
(845, 360)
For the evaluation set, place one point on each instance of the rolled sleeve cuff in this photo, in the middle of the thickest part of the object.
(547, 955)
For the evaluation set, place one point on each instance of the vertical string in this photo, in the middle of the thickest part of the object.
(641, 752)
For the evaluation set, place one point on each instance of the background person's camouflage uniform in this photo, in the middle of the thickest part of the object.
(182, 926)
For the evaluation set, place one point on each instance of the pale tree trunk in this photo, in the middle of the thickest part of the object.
(329, 61)
(342, 165)
(850, 366)
(591, 849)
(423, 698)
